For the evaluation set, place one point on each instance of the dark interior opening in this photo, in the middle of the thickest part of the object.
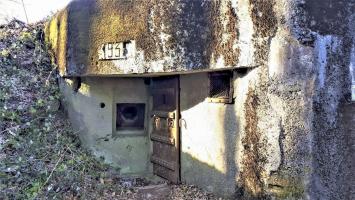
(130, 113)
(130, 116)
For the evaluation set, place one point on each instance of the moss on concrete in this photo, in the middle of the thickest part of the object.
(283, 186)
(179, 35)
(265, 25)
(56, 39)
(251, 184)
(225, 33)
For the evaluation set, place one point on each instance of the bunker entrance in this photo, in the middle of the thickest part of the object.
(165, 128)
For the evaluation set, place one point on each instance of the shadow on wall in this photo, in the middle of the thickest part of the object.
(76, 100)
(208, 157)
(210, 138)
(68, 36)
(76, 118)
(348, 126)
(79, 41)
(93, 125)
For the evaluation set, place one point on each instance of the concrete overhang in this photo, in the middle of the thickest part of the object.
(149, 38)
(158, 74)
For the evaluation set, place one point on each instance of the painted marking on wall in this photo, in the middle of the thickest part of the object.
(115, 51)
(112, 51)
(323, 44)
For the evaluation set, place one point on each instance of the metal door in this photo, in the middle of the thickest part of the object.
(165, 128)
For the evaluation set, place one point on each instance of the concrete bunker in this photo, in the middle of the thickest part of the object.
(128, 130)
(232, 96)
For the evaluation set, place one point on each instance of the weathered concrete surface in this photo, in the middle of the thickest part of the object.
(293, 106)
(292, 140)
(169, 36)
(288, 133)
(335, 39)
(96, 125)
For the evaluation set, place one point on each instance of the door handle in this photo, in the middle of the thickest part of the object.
(182, 123)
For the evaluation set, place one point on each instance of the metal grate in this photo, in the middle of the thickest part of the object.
(220, 87)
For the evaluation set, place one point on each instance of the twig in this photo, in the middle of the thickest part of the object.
(6, 130)
(24, 8)
(9, 130)
(49, 76)
(55, 167)
(50, 175)
(71, 152)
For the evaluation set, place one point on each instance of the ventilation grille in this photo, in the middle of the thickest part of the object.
(220, 87)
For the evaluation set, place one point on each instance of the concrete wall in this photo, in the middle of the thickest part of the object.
(208, 136)
(291, 110)
(287, 134)
(215, 136)
(168, 36)
(96, 125)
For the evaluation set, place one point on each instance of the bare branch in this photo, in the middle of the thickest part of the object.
(24, 8)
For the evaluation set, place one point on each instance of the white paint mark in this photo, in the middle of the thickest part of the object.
(164, 39)
(352, 72)
(151, 21)
(277, 55)
(323, 44)
(245, 45)
(133, 62)
(220, 62)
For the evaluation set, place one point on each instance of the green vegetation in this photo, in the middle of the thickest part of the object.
(40, 154)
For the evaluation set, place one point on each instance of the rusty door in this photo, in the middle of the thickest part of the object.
(165, 128)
